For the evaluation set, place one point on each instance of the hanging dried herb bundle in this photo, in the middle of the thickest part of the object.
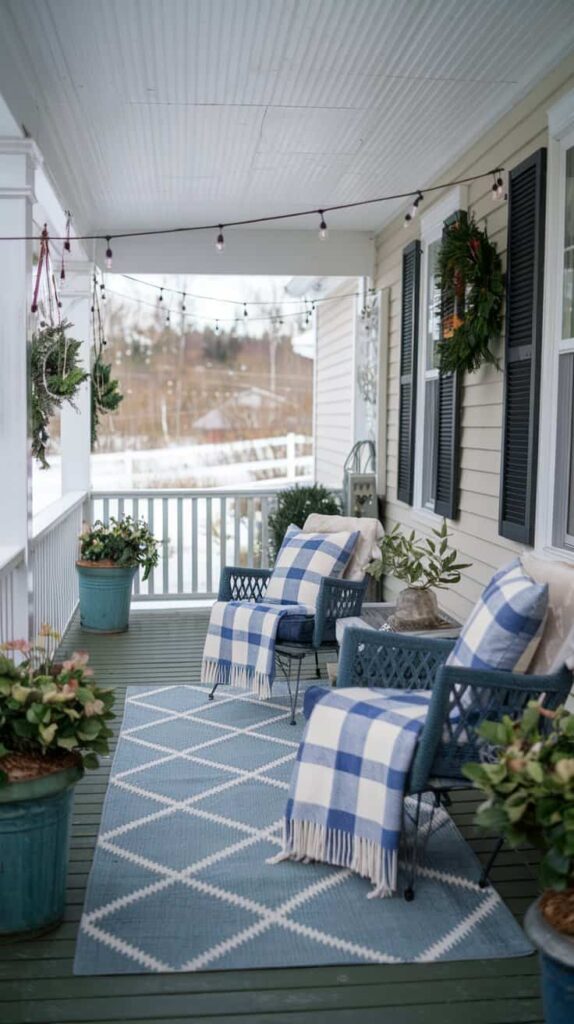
(469, 267)
(106, 394)
(56, 377)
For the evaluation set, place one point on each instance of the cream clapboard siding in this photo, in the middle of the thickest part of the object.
(475, 533)
(334, 383)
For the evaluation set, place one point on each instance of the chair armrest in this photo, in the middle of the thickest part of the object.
(238, 583)
(377, 658)
(462, 699)
(338, 599)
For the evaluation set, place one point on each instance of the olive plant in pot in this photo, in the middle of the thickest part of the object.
(529, 786)
(110, 556)
(53, 724)
(424, 564)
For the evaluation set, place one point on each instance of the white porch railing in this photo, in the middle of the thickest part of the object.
(10, 562)
(199, 533)
(53, 554)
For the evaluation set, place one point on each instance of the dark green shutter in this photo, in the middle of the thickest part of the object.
(408, 369)
(522, 348)
(448, 422)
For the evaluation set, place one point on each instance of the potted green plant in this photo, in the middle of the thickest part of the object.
(529, 787)
(424, 564)
(294, 505)
(53, 724)
(110, 556)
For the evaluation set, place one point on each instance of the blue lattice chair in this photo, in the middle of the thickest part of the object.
(461, 699)
(298, 635)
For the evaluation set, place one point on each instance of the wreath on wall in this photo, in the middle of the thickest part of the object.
(470, 277)
(56, 375)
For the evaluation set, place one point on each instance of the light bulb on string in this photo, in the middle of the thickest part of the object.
(183, 303)
(415, 207)
(217, 326)
(323, 229)
(160, 298)
(245, 313)
(167, 318)
(109, 254)
(220, 240)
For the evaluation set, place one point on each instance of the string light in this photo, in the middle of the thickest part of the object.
(167, 318)
(183, 303)
(497, 187)
(109, 253)
(323, 230)
(220, 241)
(245, 313)
(413, 210)
(67, 245)
(160, 298)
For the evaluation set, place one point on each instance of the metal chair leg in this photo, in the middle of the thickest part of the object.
(484, 879)
(317, 668)
(211, 695)
(293, 696)
(409, 892)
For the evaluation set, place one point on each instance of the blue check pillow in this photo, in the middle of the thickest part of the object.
(505, 627)
(304, 559)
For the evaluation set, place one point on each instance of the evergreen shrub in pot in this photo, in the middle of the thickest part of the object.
(294, 505)
(530, 800)
(53, 724)
(110, 556)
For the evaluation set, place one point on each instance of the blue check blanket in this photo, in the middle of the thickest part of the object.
(347, 789)
(240, 644)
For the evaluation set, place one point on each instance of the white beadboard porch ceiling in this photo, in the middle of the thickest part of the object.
(157, 113)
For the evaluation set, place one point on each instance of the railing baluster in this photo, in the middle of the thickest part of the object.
(264, 533)
(208, 547)
(250, 530)
(136, 515)
(165, 546)
(106, 511)
(222, 533)
(237, 531)
(194, 545)
(179, 545)
(151, 581)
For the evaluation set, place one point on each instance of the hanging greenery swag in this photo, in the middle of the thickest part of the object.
(471, 281)
(106, 394)
(56, 376)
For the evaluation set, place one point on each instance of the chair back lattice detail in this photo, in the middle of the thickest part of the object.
(469, 704)
(239, 584)
(390, 660)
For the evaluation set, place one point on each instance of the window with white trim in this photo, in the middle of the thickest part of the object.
(555, 500)
(563, 518)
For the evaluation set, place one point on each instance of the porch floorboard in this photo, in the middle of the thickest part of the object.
(36, 980)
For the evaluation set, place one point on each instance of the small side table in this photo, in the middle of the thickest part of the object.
(376, 616)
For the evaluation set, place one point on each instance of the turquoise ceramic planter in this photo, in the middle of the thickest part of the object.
(35, 819)
(105, 596)
(557, 967)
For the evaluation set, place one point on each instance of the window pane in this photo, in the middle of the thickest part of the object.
(429, 448)
(433, 306)
(564, 497)
(568, 262)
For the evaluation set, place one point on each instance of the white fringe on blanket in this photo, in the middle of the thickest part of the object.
(306, 841)
(243, 677)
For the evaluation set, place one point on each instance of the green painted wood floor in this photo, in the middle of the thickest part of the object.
(36, 981)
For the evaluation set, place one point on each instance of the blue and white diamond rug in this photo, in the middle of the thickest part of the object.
(180, 880)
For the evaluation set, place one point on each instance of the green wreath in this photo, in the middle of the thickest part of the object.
(56, 376)
(469, 274)
(106, 395)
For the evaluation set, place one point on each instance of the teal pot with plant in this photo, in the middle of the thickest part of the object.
(53, 723)
(110, 556)
(530, 800)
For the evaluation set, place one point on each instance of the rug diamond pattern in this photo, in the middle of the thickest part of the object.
(181, 879)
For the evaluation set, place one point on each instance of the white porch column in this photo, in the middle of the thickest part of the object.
(18, 158)
(75, 423)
